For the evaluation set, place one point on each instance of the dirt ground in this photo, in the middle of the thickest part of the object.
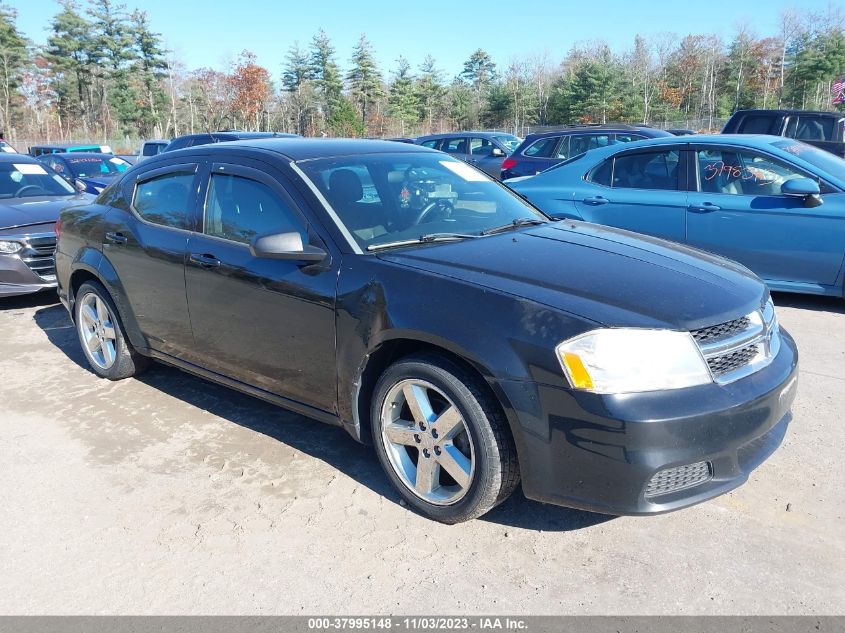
(170, 495)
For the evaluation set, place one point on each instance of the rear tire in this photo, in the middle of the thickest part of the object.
(100, 333)
(442, 439)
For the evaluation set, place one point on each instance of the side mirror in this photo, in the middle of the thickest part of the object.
(497, 152)
(80, 186)
(285, 246)
(805, 188)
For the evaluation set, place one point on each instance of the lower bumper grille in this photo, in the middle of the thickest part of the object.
(678, 478)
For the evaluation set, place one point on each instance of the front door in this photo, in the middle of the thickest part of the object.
(266, 322)
(737, 210)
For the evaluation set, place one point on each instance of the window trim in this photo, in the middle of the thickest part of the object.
(250, 173)
(696, 176)
(179, 168)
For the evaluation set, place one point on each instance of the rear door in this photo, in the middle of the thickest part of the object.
(457, 146)
(736, 209)
(269, 323)
(640, 190)
(481, 155)
(146, 241)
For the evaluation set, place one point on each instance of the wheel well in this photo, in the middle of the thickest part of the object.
(391, 351)
(78, 278)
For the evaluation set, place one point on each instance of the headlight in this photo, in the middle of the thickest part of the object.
(628, 360)
(9, 248)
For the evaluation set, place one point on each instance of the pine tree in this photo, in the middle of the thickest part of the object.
(364, 79)
(403, 101)
(325, 72)
(149, 69)
(13, 56)
(430, 90)
(297, 79)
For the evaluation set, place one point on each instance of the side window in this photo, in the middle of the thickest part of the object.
(756, 124)
(480, 147)
(150, 149)
(742, 173)
(815, 128)
(240, 208)
(627, 138)
(601, 174)
(582, 143)
(454, 146)
(166, 199)
(647, 170)
(563, 148)
(432, 144)
(542, 148)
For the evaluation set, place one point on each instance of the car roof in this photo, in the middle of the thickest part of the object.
(6, 157)
(298, 148)
(606, 127)
(66, 145)
(837, 115)
(72, 155)
(478, 133)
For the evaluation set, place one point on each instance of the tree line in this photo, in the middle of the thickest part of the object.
(105, 73)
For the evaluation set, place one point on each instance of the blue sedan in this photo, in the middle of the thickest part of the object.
(774, 204)
(88, 171)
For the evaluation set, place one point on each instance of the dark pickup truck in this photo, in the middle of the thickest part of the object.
(822, 129)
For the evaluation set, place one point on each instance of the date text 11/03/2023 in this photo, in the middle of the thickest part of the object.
(430, 623)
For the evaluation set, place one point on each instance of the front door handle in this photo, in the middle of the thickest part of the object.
(116, 238)
(705, 207)
(205, 260)
(596, 200)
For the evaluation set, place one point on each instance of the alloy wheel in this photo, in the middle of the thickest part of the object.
(427, 442)
(96, 329)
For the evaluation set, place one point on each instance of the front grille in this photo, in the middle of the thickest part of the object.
(721, 331)
(726, 363)
(678, 478)
(39, 255)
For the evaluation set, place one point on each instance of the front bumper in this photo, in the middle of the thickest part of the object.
(17, 277)
(599, 453)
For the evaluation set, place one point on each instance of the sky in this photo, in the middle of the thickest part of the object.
(212, 32)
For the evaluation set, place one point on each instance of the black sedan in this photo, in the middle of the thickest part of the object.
(31, 196)
(405, 296)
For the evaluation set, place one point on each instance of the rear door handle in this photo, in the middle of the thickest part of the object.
(205, 260)
(705, 207)
(116, 238)
(596, 200)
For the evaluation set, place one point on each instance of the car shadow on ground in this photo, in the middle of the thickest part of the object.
(328, 444)
(36, 299)
(809, 302)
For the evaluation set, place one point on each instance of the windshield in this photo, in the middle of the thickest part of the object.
(510, 141)
(819, 158)
(27, 180)
(385, 198)
(93, 166)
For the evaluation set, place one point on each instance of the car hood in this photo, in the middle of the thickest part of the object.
(610, 276)
(20, 212)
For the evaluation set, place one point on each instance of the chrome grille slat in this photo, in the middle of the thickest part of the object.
(736, 348)
(39, 254)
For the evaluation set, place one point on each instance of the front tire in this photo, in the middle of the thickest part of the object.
(442, 439)
(100, 332)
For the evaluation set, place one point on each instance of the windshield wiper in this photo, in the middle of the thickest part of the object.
(514, 224)
(423, 239)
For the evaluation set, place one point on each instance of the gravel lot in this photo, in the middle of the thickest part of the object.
(168, 494)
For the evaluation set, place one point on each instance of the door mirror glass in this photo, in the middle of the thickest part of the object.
(80, 186)
(285, 246)
(497, 152)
